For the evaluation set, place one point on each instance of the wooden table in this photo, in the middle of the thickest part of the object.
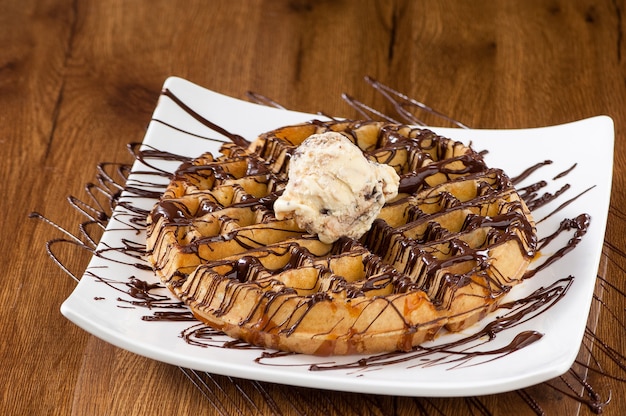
(79, 80)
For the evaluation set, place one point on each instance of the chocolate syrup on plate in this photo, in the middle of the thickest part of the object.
(113, 181)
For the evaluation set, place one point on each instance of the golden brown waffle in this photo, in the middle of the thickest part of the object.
(440, 254)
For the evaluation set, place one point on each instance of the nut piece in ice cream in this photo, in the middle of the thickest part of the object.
(333, 189)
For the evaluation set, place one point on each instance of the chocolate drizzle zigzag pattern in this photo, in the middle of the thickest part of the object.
(105, 194)
(442, 253)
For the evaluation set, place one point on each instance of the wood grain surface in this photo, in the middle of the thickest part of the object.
(79, 80)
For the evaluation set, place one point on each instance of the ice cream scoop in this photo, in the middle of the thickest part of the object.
(333, 189)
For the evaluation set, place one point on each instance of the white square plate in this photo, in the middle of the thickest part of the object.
(103, 305)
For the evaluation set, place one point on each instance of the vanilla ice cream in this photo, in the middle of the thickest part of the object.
(333, 189)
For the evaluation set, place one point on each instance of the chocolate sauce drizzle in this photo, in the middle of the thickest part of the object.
(116, 188)
(466, 351)
(235, 138)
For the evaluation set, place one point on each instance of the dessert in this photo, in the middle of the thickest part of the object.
(440, 253)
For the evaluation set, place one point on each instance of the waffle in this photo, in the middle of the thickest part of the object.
(441, 254)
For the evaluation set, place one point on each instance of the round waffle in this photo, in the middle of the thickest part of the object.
(440, 254)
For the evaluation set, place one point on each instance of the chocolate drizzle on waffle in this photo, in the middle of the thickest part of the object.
(442, 253)
(576, 385)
